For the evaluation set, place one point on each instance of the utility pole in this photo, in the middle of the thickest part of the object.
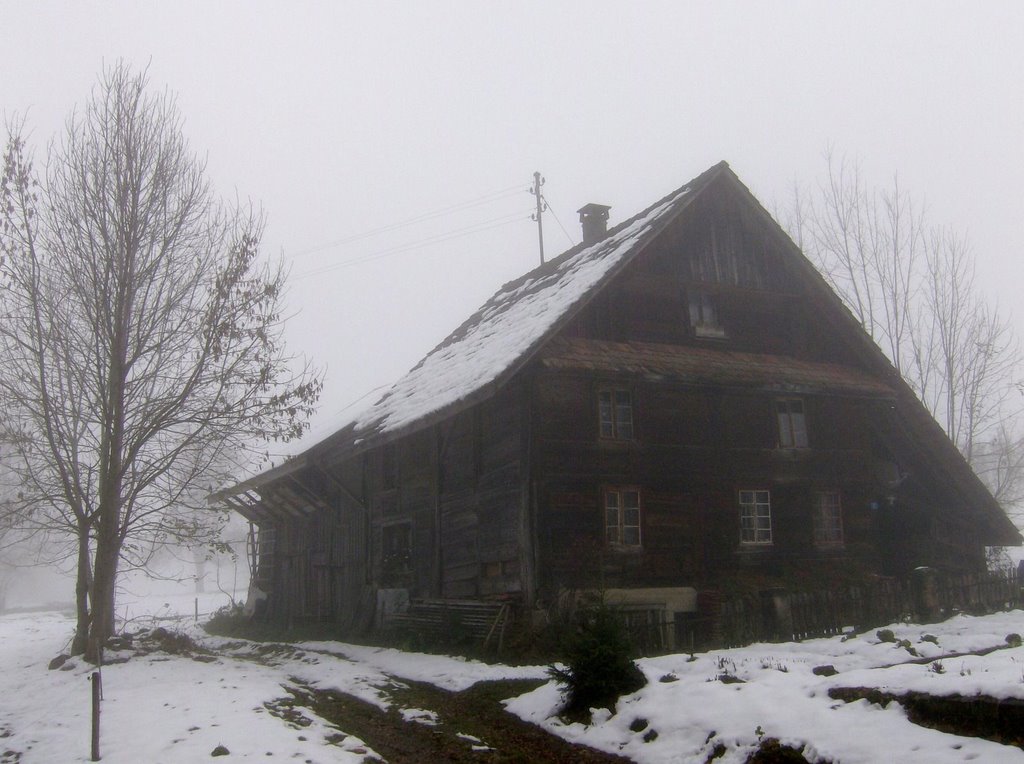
(538, 181)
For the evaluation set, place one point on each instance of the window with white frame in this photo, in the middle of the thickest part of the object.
(792, 424)
(755, 517)
(615, 414)
(622, 516)
(828, 519)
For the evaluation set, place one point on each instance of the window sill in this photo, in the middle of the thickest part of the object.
(626, 549)
(793, 452)
(618, 442)
(709, 332)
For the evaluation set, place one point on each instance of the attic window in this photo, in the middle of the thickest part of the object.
(615, 414)
(704, 315)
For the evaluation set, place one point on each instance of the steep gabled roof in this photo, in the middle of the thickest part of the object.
(507, 332)
(502, 335)
(497, 340)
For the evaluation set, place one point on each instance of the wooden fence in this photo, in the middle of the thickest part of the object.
(928, 596)
(777, 615)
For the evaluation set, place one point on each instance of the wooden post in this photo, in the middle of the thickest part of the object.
(197, 610)
(538, 181)
(924, 589)
(95, 679)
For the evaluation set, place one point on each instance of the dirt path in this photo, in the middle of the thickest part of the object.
(471, 726)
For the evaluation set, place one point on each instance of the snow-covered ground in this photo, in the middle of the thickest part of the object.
(172, 708)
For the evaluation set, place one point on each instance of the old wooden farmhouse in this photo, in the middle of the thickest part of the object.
(677, 406)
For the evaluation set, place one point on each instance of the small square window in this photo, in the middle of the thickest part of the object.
(704, 315)
(615, 414)
(828, 519)
(789, 413)
(755, 517)
(622, 517)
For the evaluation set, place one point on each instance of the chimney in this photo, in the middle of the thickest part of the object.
(594, 219)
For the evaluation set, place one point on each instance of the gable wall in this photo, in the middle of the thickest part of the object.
(758, 299)
(695, 448)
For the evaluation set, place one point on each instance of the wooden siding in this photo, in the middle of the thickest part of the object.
(695, 448)
(507, 496)
(722, 250)
(320, 565)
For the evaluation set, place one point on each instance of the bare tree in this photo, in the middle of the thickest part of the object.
(913, 289)
(869, 244)
(999, 462)
(973, 354)
(140, 340)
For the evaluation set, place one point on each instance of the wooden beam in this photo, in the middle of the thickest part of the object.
(304, 493)
(342, 488)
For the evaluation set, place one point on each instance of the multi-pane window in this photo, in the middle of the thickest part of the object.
(755, 517)
(704, 315)
(622, 516)
(792, 424)
(615, 414)
(828, 519)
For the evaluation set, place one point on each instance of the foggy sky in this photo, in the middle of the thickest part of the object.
(343, 118)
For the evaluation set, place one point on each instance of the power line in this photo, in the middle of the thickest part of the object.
(493, 196)
(436, 239)
(551, 209)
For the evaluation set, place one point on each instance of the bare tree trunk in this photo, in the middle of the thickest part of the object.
(83, 582)
(104, 588)
(142, 338)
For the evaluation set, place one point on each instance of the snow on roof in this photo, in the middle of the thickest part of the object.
(495, 341)
(499, 336)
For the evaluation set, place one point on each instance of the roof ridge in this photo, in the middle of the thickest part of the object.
(648, 222)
